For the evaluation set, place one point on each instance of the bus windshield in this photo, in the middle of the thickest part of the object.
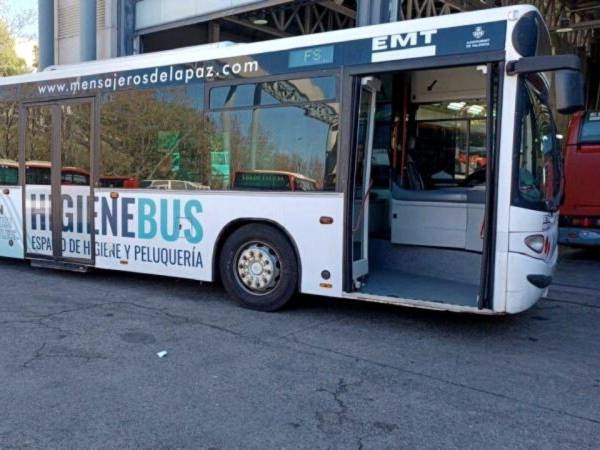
(538, 162)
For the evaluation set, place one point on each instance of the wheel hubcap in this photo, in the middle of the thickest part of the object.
(258, 268)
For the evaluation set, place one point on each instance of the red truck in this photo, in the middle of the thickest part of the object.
(580, 213)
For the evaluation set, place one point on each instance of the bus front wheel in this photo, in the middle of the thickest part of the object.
(258, 267)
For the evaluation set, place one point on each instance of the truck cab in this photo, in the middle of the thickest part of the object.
(580, 212)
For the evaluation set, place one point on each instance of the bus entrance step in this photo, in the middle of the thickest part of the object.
(58, 265)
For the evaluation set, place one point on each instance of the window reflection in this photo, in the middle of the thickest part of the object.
(297, 142)
(154, 138)
(9, 151)
(75, 144)
(9, 172)
(38, 139)
(283, 136)
(273, 135)
(538, 160)
(273, 93)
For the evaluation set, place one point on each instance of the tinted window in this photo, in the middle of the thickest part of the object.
(298, 91)
(273, 92)
(37, 175)
(590, 130)
(298, 140)
(162, 139)
(9, 175)
(450, 145)
(75, 148)
(458, 109)
(111, 182)
(537, 159)
(152, 136)
(9, 145)
(234, 96)
(285, 138)
(38, 139)
(9, 148)
(80, 180)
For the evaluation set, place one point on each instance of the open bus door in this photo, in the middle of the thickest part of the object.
(363, 149)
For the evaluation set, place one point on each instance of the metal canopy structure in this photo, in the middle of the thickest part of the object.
(574, 24)
(574, 20)
(574, 27)
(299, 17)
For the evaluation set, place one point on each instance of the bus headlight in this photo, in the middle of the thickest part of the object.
(536, 242)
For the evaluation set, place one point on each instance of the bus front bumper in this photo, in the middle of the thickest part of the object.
(585, 237)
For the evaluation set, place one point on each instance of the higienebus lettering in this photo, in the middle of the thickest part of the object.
(128, 217)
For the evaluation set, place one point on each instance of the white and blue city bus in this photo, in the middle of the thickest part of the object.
(412, 163)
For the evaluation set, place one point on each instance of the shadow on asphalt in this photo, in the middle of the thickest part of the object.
(579, 254)
(319, 308)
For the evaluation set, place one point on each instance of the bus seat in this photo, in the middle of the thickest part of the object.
(476, 196)
(447, 195)
(448, 217)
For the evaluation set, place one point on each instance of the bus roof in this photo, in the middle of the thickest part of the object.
(47, 165)
(228, 50)
(8, 162)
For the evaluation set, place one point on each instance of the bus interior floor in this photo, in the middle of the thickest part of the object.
(394, 283)
(423, 273)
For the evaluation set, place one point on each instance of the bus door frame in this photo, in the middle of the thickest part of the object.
(494, 92)
(55, 175)
(369, 86)
(495, 63)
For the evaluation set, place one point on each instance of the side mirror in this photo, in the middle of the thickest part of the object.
(568, 80)
(570, 97)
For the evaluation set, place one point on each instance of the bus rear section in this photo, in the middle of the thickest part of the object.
(580, 212)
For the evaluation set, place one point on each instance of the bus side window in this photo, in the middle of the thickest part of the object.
(9, 145)
(287, 132)
(156, 138)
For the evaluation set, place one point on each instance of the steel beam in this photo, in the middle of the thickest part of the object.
(87, 30)
(262, 28)
(46, 33)
(341, 9)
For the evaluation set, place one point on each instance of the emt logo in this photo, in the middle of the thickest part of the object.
(414, 44)
(478, 33)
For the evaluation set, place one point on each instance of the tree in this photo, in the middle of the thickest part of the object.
(10, 63)
(17, 22)
(12, 25)
(36, 57)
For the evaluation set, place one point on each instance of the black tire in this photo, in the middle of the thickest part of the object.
(257, 253)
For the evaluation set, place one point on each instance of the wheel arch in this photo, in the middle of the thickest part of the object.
(236, 224)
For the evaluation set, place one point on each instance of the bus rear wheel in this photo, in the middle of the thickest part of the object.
(258, 267)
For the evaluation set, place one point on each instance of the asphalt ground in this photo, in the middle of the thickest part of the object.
(79, 368)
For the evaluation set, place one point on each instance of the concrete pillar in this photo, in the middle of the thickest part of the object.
(126, 28)
(372, 12)
(214, 31)
(87, 30)
(46, 33)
